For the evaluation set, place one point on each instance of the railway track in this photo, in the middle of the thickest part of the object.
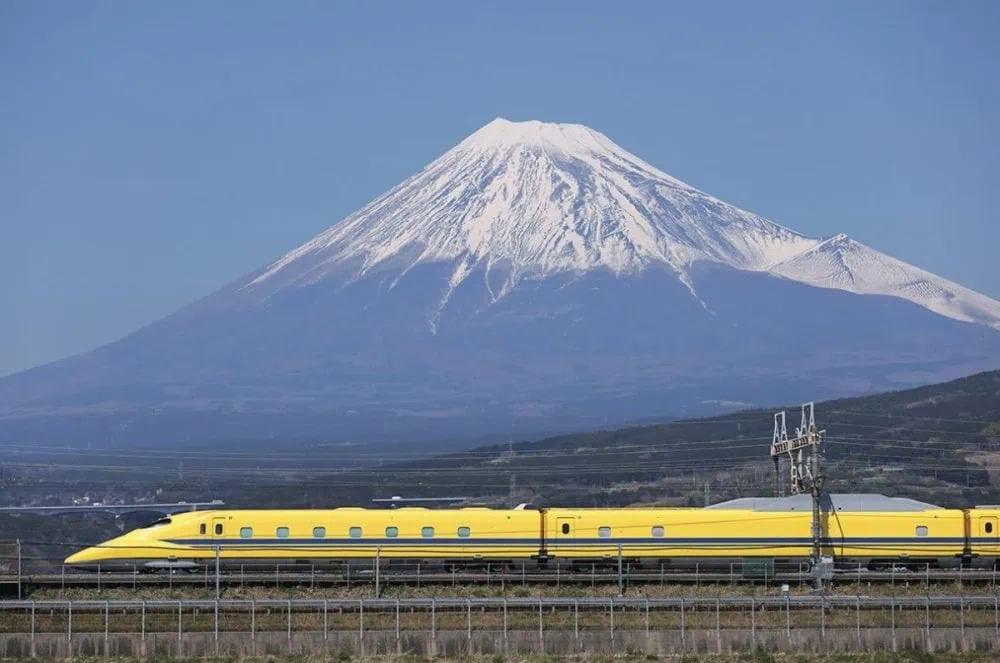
(316, 577)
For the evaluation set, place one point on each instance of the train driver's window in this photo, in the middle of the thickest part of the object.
(282, 532)
(657, 530)
(921, 530)
(392, 532)
(218, 529)
(989, 527)
(202, 529)
(319, 532)
(427, 532)
(464, 532)
(246, 532)
(604, 532)
(355, 532)
(565, 528)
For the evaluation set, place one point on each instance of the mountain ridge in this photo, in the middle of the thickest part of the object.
(578, 202)
(535, 276)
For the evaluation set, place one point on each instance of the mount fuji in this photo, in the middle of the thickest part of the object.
(536, 276)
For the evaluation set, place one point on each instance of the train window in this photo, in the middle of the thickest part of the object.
(158, 523)
(657, 530)
(218, 529)
(427, 532)
(282, 532)
(565, 528)
(202, 529)
(246, 532)
(604, 532)
(464, 532)
(392, 532)
(921, 530)
(355, 532)
(989, 527)
(319, 532)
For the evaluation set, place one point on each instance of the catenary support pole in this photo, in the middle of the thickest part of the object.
(217, 572)
(621, 581)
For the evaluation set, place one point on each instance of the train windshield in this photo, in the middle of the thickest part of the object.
(158, 523)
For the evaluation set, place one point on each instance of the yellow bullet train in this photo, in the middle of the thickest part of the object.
(872, 530)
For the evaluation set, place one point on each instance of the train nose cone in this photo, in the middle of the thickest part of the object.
(84, 557)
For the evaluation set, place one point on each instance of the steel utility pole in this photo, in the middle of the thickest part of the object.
(813, 437)
(803, 476)
(779, 444)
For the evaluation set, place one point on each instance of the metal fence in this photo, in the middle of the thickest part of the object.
(493, 625)
(588, 614)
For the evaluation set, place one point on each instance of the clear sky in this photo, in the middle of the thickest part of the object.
(152, 152)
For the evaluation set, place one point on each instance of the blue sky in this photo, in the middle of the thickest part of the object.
(152, 152)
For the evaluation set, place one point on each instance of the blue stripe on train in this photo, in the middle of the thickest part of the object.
(660, 542)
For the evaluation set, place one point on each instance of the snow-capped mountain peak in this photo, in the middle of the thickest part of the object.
(542, 198)
(842, 263)
(535, 199)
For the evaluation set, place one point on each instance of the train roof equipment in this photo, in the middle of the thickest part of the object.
(853, 502)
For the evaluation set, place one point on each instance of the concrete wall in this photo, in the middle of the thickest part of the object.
(457, 643)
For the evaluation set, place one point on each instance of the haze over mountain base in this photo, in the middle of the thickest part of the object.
(568, 353)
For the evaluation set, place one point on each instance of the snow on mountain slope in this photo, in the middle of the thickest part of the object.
(542, 199)
(844, 264)
(532, 199)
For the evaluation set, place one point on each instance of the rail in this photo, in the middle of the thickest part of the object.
(20, 571)
(349, 576)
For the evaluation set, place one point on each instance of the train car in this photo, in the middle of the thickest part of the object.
(676, 537)
(984, 537)
(872, 530)
(447, 535)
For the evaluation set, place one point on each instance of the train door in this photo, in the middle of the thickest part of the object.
(988, 534)
(218, 528)
(564, 531)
